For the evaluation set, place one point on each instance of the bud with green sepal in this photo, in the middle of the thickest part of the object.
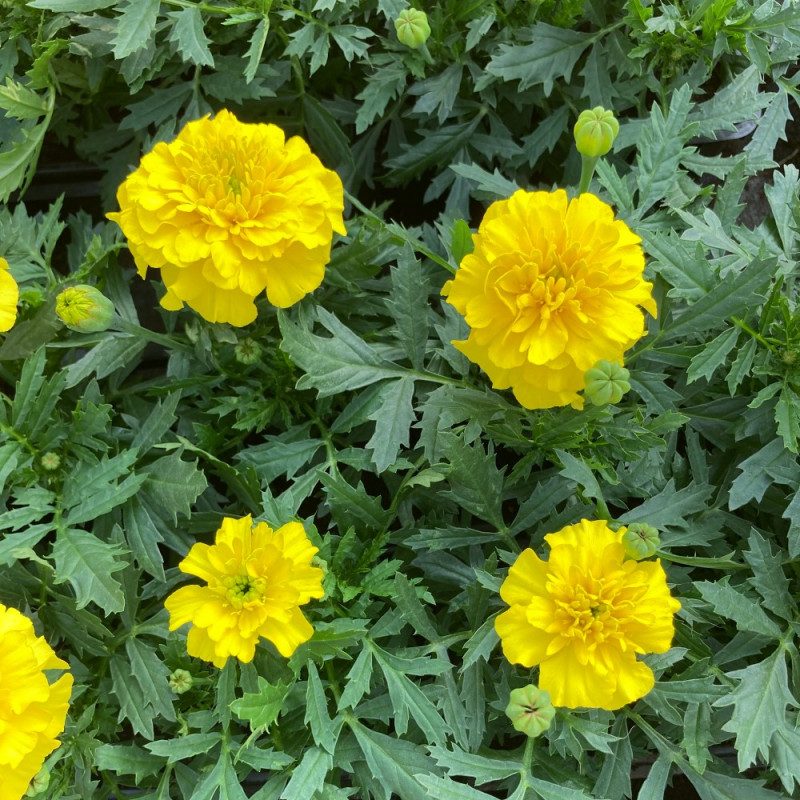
(247, 351)
(412, 28)
(530, 710)
(84, 309)
(39, 783)
(594, 133)
(640, 541)
(50, 461)
(606, 382)
(180, 681)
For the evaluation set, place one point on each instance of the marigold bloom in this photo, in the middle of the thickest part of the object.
(9, 297)
(552, 287)
(227, 210)
(32, 710)
(257, 579)
(584, 614)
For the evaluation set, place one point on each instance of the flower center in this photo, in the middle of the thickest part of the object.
(244, 590)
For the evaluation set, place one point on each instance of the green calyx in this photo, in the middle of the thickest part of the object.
(606, 382)
(530, 710)
(640, 541)
(595, 132)
(412, 28)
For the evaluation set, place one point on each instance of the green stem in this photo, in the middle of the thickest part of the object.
(588, 163)
(755, 334)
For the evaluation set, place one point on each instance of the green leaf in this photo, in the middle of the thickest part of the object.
(336, 364)
(143, 537)
(254, 52)
(787, 416)
(358, 680)
(782, 197)
(682, 264)
(135, 26)
(551, 56)
(127, 760)
(261, 709)
(309, 775)
(34, 397)
(670, 508)
(182, 747)
(792, 513)
(74, 6)
(614, 779)
(392, 422)
(491, 184)
(771, 128)
(769, 579)
(472, 765)
(89, 564)
(446, 789)
(152, 675)
(351, 505)
(480, 645)
(132, 704)
(18, 163)
(393, 761)
(323, 729)
(190, 38)
(175, 484)
(771, 464)
(157, 423)
(713, 355)
(655, 784)
(713, 786)
(412, 609)
(697, 734)
(22, 103)
(732, 604)
(759, 707)
(409, 307)
(382, 87)
(785, 756)
(660, 145)
(110, 354)
(326, 136)
(581, 473)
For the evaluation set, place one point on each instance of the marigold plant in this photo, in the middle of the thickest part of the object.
(32, 710)
(553, 286)
(584, 614)
(256, 580)
(228, 210)
(9, 297)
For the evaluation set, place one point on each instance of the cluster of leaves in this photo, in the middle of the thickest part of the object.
(418, 483)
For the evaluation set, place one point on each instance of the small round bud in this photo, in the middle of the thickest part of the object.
(39, 783)
(412, 28)
(606, 382)
(50, 461)
(595, 131)
(84, 309)
(790, 357)
(640, 541)
(180, 681)
(530, 710)
(247, 351)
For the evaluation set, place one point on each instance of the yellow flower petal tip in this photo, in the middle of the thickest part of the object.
(584, 614)
(256, 580)
(32, 710)
(227, 211)
(553, 286)
(9, 297)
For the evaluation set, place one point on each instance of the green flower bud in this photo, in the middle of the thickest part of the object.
(530, 710)
(606, 382)
(248, 351)
(180, 681)
(50, 461)
(412, 28)
(39, 783)
(640, 541)
(84, 309)
(595, 131)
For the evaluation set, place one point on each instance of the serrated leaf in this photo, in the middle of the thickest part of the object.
(190, 37)
(175, 484)
(782, 198)
(127, 760)
(697, 734)
(187, 746)
(713, 355)
(408, 305)
(412, 609)
(771, 128)
(773, 463)
(713, 786)
(132, 705)
(392, 422)
(759, 707)
(480, 645)
(446, 789)
(787, 417)
(20, 102)
(732, 604)
(134, 26)
(261, 708)
(152, 675)
(351, 505)
(108, 355)
(322, 726)
(253, 54)
(769, 579)
(785, 756)
(552, 55)
(671, 507)
(309, 776)
(492, 184)
(89, 565)
(614, 779)
(472, 765)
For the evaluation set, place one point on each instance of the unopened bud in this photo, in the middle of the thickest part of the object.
(50, 461)
(606, 382)
(412, 27)
(530, 710)
(640, 541)
(39, 782)
(84, 309)
(595, 131)
(247, 351)
(180, 681)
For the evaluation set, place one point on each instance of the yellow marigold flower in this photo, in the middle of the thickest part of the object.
(257, 579)
(552, 287)
(227, 210)
(9, 297)
(584, 614)
(32, 710)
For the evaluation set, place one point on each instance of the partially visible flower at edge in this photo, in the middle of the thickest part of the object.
(553, 286)
(584, 614)
(230, 209)
(9, 297)
(256, 580)
(32, 710)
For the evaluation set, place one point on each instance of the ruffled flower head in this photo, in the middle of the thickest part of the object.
(584, 614)
(552, 287)
(9, 297)
(228, 210)
(32, 710)
(256, 580)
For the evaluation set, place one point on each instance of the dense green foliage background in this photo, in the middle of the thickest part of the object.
(417, 481)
